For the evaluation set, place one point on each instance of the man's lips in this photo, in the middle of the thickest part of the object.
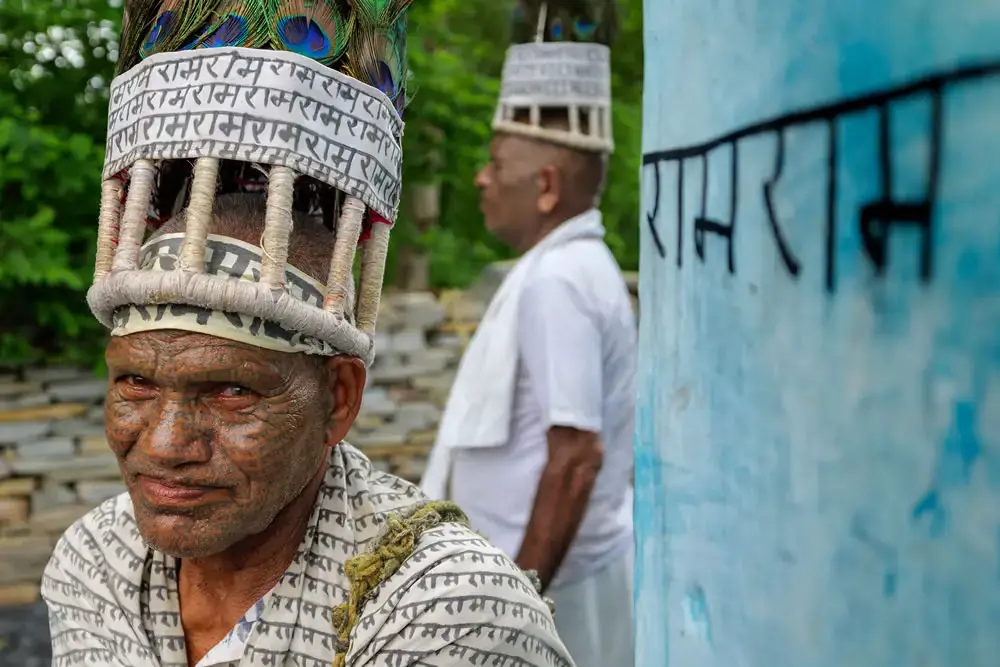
(161, 492)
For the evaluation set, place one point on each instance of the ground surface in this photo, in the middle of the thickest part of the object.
(24, 637)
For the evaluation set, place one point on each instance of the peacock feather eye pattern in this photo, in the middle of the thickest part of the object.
(584, 29)
(232, 31)
(556, 30)
(315, 29)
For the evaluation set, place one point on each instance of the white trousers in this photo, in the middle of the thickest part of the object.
(594, 616)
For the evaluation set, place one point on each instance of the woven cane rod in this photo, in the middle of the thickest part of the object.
(199, 214)
(574, 119)
(222, 293)
(373, 256)
(108, 226)
(596, 142)
(133, 226)
(277, 225)
(342, 261)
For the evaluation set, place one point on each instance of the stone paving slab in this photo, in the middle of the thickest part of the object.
(24, 636)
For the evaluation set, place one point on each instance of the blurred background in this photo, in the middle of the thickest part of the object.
(56, 61)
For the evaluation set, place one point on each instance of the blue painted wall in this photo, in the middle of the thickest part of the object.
(818, 432)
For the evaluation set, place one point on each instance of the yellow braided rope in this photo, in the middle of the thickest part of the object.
(366, 571)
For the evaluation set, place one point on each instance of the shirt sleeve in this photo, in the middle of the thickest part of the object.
(559, 342)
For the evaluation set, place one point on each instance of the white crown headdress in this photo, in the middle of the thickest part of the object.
(561, 61)
(300, 99)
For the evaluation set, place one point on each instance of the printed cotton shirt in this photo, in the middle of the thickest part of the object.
(455, 601)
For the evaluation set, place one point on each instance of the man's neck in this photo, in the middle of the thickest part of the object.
(547, 226)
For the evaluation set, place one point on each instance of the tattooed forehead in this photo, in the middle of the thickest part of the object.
(195, 356)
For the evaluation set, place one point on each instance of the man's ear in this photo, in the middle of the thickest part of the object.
(347, 377)
(549, 189)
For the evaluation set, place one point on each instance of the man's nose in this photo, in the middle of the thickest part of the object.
(481, 180)
(174, 438)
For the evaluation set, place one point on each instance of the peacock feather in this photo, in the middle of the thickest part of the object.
(178, 25)
(317, 29)
(234, 23)
(370, 33)
(566, 20)
(377, 53)
(136, 22)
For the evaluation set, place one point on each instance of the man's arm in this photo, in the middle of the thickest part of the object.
(575, 458)
(559, 342)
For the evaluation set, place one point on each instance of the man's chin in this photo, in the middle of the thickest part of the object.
(494, 227)
(184, 537)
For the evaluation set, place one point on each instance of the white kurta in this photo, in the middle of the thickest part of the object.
(455, 601)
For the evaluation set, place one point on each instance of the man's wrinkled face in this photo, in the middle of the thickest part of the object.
(509, 188)
(213, 437)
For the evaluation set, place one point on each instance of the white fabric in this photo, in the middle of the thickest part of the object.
(595, 616)
(556, 74)
(259, 106)
(479, 407)
(455, 601)
(576, 357)
(234, 644)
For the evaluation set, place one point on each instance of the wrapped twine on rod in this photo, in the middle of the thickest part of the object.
(199, 215)
(342, 261)
(109, 225)
(133, 227)
(277, 225)
(373, 256)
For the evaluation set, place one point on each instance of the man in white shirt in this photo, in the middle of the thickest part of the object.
(536, 441)
(557, 497)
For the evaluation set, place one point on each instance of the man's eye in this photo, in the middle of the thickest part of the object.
(135, 387)
(235, 391)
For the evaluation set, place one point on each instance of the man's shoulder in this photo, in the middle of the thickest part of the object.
(456, 590)
(585, 266)
(96, 557)
(386, 492)
(455, 566)
(454, 549)
(111, 521)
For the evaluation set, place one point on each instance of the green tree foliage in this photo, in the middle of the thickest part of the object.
(56, 61)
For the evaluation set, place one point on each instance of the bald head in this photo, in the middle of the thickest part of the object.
(241, 217)
(583, 171)
(531, 186)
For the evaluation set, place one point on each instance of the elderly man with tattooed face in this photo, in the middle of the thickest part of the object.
(251, 534)
(249, 523)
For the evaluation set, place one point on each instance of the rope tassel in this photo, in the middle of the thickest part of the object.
(367, 571)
